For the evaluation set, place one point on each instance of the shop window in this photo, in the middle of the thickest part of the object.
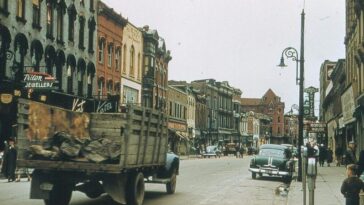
(90, 78)
(49, 58)
(81, 33)
(20, 11)
(20, 50)
(91, 31)
(101, 85)
(36, 14)
(81, 67)
(109, 87)
(72, 14)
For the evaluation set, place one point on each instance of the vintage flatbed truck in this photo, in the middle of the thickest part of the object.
(95, 153)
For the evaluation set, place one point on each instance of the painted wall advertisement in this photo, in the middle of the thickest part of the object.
(348, 105)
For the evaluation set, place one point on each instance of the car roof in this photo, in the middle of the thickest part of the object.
(273, 146)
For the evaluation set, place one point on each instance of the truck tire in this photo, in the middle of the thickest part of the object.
(135, 189)
(171, 186)
(60, 195)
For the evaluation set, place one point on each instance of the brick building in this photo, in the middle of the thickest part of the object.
(270, 104)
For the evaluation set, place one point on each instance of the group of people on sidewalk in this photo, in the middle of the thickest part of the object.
(8, 164)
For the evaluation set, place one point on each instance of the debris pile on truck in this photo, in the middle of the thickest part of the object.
(63, 146)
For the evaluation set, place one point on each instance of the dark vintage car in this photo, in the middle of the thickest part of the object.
(273, 160)
(212, 151)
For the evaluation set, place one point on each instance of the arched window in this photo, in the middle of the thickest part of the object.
(101, 50)
(50, 55)
(124, 60)
(20, 11)
(4, 7)
(117, 58)
(109, 87)
(90, 78)
(91, 31)
(109, 54)
(50, 19)
(81, 68)
(139, 67)
(101, 85)
(81, 20)
(61, 10)
(60, 61)
(20, 50)
(132, 59)
(72, 13)
(36, 14)
(5, 40)
(71, 65)
(36, 54)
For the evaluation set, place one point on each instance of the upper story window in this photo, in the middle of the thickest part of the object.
(4, 7)
(109, 54)
(82, 20)
(124, 60)
(139, 66)
(36, 14)
(72, 13)
(101, 50)
(117, 58)
(92, 6)
(132, 59)
(49, 20)
(61, 10)
(91, 31)
(82, 2)
(20, 11)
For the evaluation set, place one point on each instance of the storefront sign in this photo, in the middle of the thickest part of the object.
(6, 98)
(348, 106)
(38, 81)
(177, 126)
(317, 127)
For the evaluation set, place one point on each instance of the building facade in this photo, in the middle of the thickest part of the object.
(177, 121)
(52, 37)
(155, 70)
(109, 51)
(270, 104)
(132, 60)
(353, 96)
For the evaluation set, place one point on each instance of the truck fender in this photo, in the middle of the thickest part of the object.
(41, 185)
(114, 185)
(172, 165)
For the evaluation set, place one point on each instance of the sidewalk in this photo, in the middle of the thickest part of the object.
(327, 192)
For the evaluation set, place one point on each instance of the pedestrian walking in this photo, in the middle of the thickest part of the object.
(350, 157)
(339, 155)
(9, 163)
(329, 156)
(352, 185)
(322, 155)
(361, 163)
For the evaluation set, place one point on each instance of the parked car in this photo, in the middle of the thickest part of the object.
(212, 151)
(230, 148)
(273, 160)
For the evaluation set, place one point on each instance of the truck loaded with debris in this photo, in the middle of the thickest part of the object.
(95, 153)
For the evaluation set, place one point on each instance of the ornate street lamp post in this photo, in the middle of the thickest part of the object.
(291, 52)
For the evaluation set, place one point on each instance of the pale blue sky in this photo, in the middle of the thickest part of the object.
(241, 41)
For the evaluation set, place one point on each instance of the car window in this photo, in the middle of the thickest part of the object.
(272, 152)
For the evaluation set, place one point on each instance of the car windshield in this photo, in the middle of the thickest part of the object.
(271, 152)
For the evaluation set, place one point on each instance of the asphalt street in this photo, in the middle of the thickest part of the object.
(225, 181)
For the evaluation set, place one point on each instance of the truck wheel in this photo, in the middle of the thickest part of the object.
(60, 195)
(254, 175)
(135, 189)
(171, 186)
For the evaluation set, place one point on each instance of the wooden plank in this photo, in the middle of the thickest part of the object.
(127, 133)
(141, 134)
(116, 124)
(108, 116)
(146, 136)
(156, 138)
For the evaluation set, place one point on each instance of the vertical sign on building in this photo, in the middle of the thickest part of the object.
(311, 101)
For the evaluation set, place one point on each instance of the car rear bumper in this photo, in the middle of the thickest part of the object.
(270, 171)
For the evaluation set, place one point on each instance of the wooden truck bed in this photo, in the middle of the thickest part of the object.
(141, 134)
